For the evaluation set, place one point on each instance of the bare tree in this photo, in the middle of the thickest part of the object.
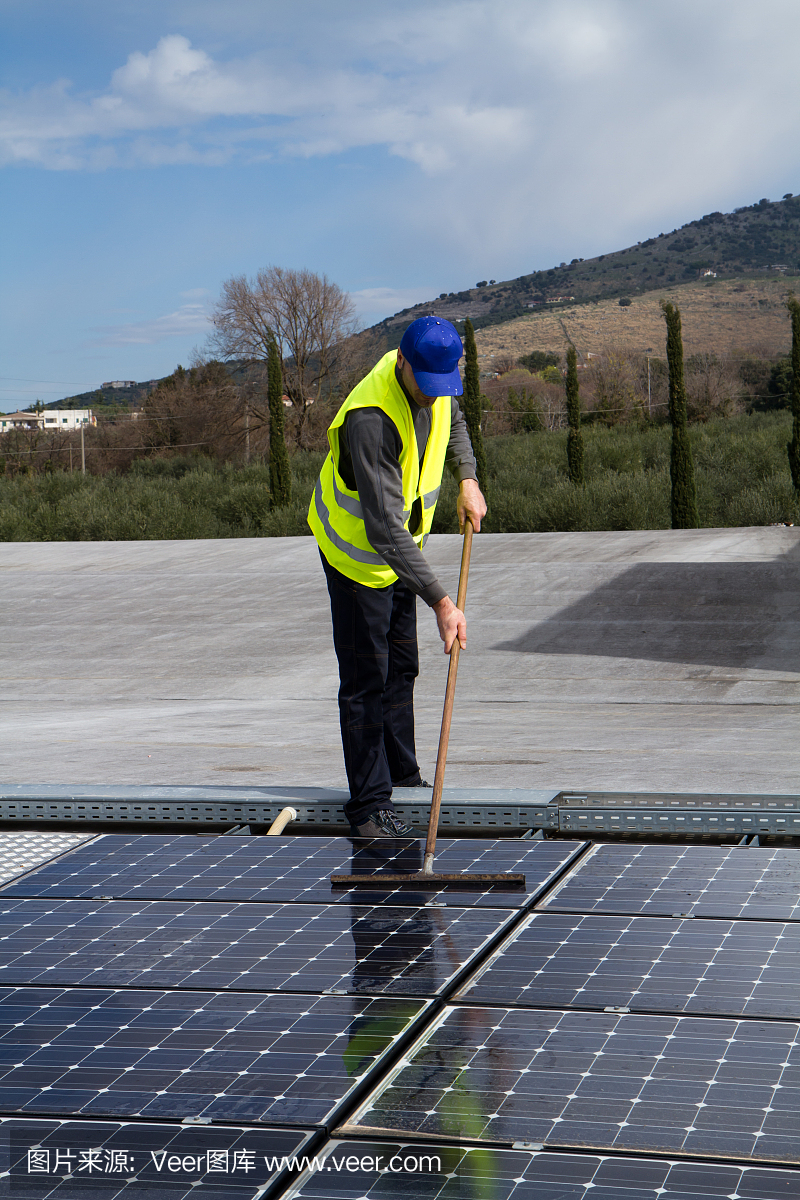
(311, 319)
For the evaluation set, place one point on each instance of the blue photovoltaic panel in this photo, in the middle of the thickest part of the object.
(361, 1170)
(656, 964)
(272, 1059)
(293, 870)
(677, 1085)
(60, 1160)
(709, 881)
(282, 947)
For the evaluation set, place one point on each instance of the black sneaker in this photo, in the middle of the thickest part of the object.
(417, 783)
(384, 824)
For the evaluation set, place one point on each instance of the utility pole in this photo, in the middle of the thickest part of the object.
(246, 432)
(83, 453)
(649, 403)
(70, 458)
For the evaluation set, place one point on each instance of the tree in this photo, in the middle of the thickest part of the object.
(681, 465)
(574, 438)
(794, 445)
(280, 476)
(311, 319)
(472, 402)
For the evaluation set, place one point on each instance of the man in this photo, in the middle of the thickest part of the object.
(371, 513)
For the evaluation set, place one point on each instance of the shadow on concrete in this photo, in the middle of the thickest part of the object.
(736, 615)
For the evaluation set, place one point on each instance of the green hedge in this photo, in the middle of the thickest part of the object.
(741, 465)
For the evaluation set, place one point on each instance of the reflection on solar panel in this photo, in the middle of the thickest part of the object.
(658, 964)
(442, 1171)
(712, 881)
(694, 1086)
(298, 947)
(105, 1159)
(21, 852)
(165, 1055)
(286, 870)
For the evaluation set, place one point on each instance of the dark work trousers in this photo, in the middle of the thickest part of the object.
(375, 638)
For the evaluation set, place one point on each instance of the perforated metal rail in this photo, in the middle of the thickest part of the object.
(506, 811)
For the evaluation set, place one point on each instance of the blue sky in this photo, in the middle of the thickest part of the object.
(151, 150)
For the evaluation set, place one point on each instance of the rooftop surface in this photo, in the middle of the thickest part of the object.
(654, 660)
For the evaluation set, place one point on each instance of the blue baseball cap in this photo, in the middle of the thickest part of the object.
(432, 347)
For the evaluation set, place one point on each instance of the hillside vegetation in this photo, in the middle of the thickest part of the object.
(741, 465)
(745, 316)
(763, 238)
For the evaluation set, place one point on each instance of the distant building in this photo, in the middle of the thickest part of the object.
(119, 383)
(709, 273)
(50, 419)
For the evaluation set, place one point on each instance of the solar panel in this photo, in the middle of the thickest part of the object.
(655, 964)
(293, 870)
(282, 947)
(21, 852)
(672, 1085)
(711, 881)
(350, 1171)
(254, 1058)
(64, 1159)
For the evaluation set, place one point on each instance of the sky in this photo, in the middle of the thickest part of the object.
(151, 149)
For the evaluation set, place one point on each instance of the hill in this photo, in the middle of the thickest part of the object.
(115, 399)
(725, 317)
(752, 251)
(762, 240)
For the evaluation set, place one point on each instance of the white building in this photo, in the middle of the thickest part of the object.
(120, 383)
(51, 419)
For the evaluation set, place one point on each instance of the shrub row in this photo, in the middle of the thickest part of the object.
(741, 467)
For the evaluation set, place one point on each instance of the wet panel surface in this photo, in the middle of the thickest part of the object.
(107, 1159)
(290, 947)
(655, 964)
(711, 881)
(295, 870)
(689, 1086)
(275, 1059)
(442, 1172)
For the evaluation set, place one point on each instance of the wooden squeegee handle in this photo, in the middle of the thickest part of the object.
(447, 715)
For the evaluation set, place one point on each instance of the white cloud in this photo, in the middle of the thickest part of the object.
(569, 112)
(187, 321)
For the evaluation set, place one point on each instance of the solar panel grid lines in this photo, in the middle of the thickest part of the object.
(295, 869)
(653, 964)
(272, 1059)
(707, 1087)
(711, 881)
(62, 1159)
(253, 947)
(441, 1171)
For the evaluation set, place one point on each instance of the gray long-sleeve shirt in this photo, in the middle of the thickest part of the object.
(370, 447)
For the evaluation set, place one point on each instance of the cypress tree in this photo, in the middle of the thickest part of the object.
(681, 465)
(794, 445)
(472, 402)
(280, 476)
(574, 437)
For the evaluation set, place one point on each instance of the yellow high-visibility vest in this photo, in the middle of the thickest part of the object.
(335, 514)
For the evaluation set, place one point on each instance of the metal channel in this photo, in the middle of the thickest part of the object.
(688, 800)
(309, 816)
(722, 822)
(508, 810)
(654, 813)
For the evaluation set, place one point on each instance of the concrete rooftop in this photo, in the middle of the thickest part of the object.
(651, 660)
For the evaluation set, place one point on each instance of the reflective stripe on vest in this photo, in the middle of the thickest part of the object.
(335, 513)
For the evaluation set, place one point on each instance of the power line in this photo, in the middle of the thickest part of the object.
(64, 449)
